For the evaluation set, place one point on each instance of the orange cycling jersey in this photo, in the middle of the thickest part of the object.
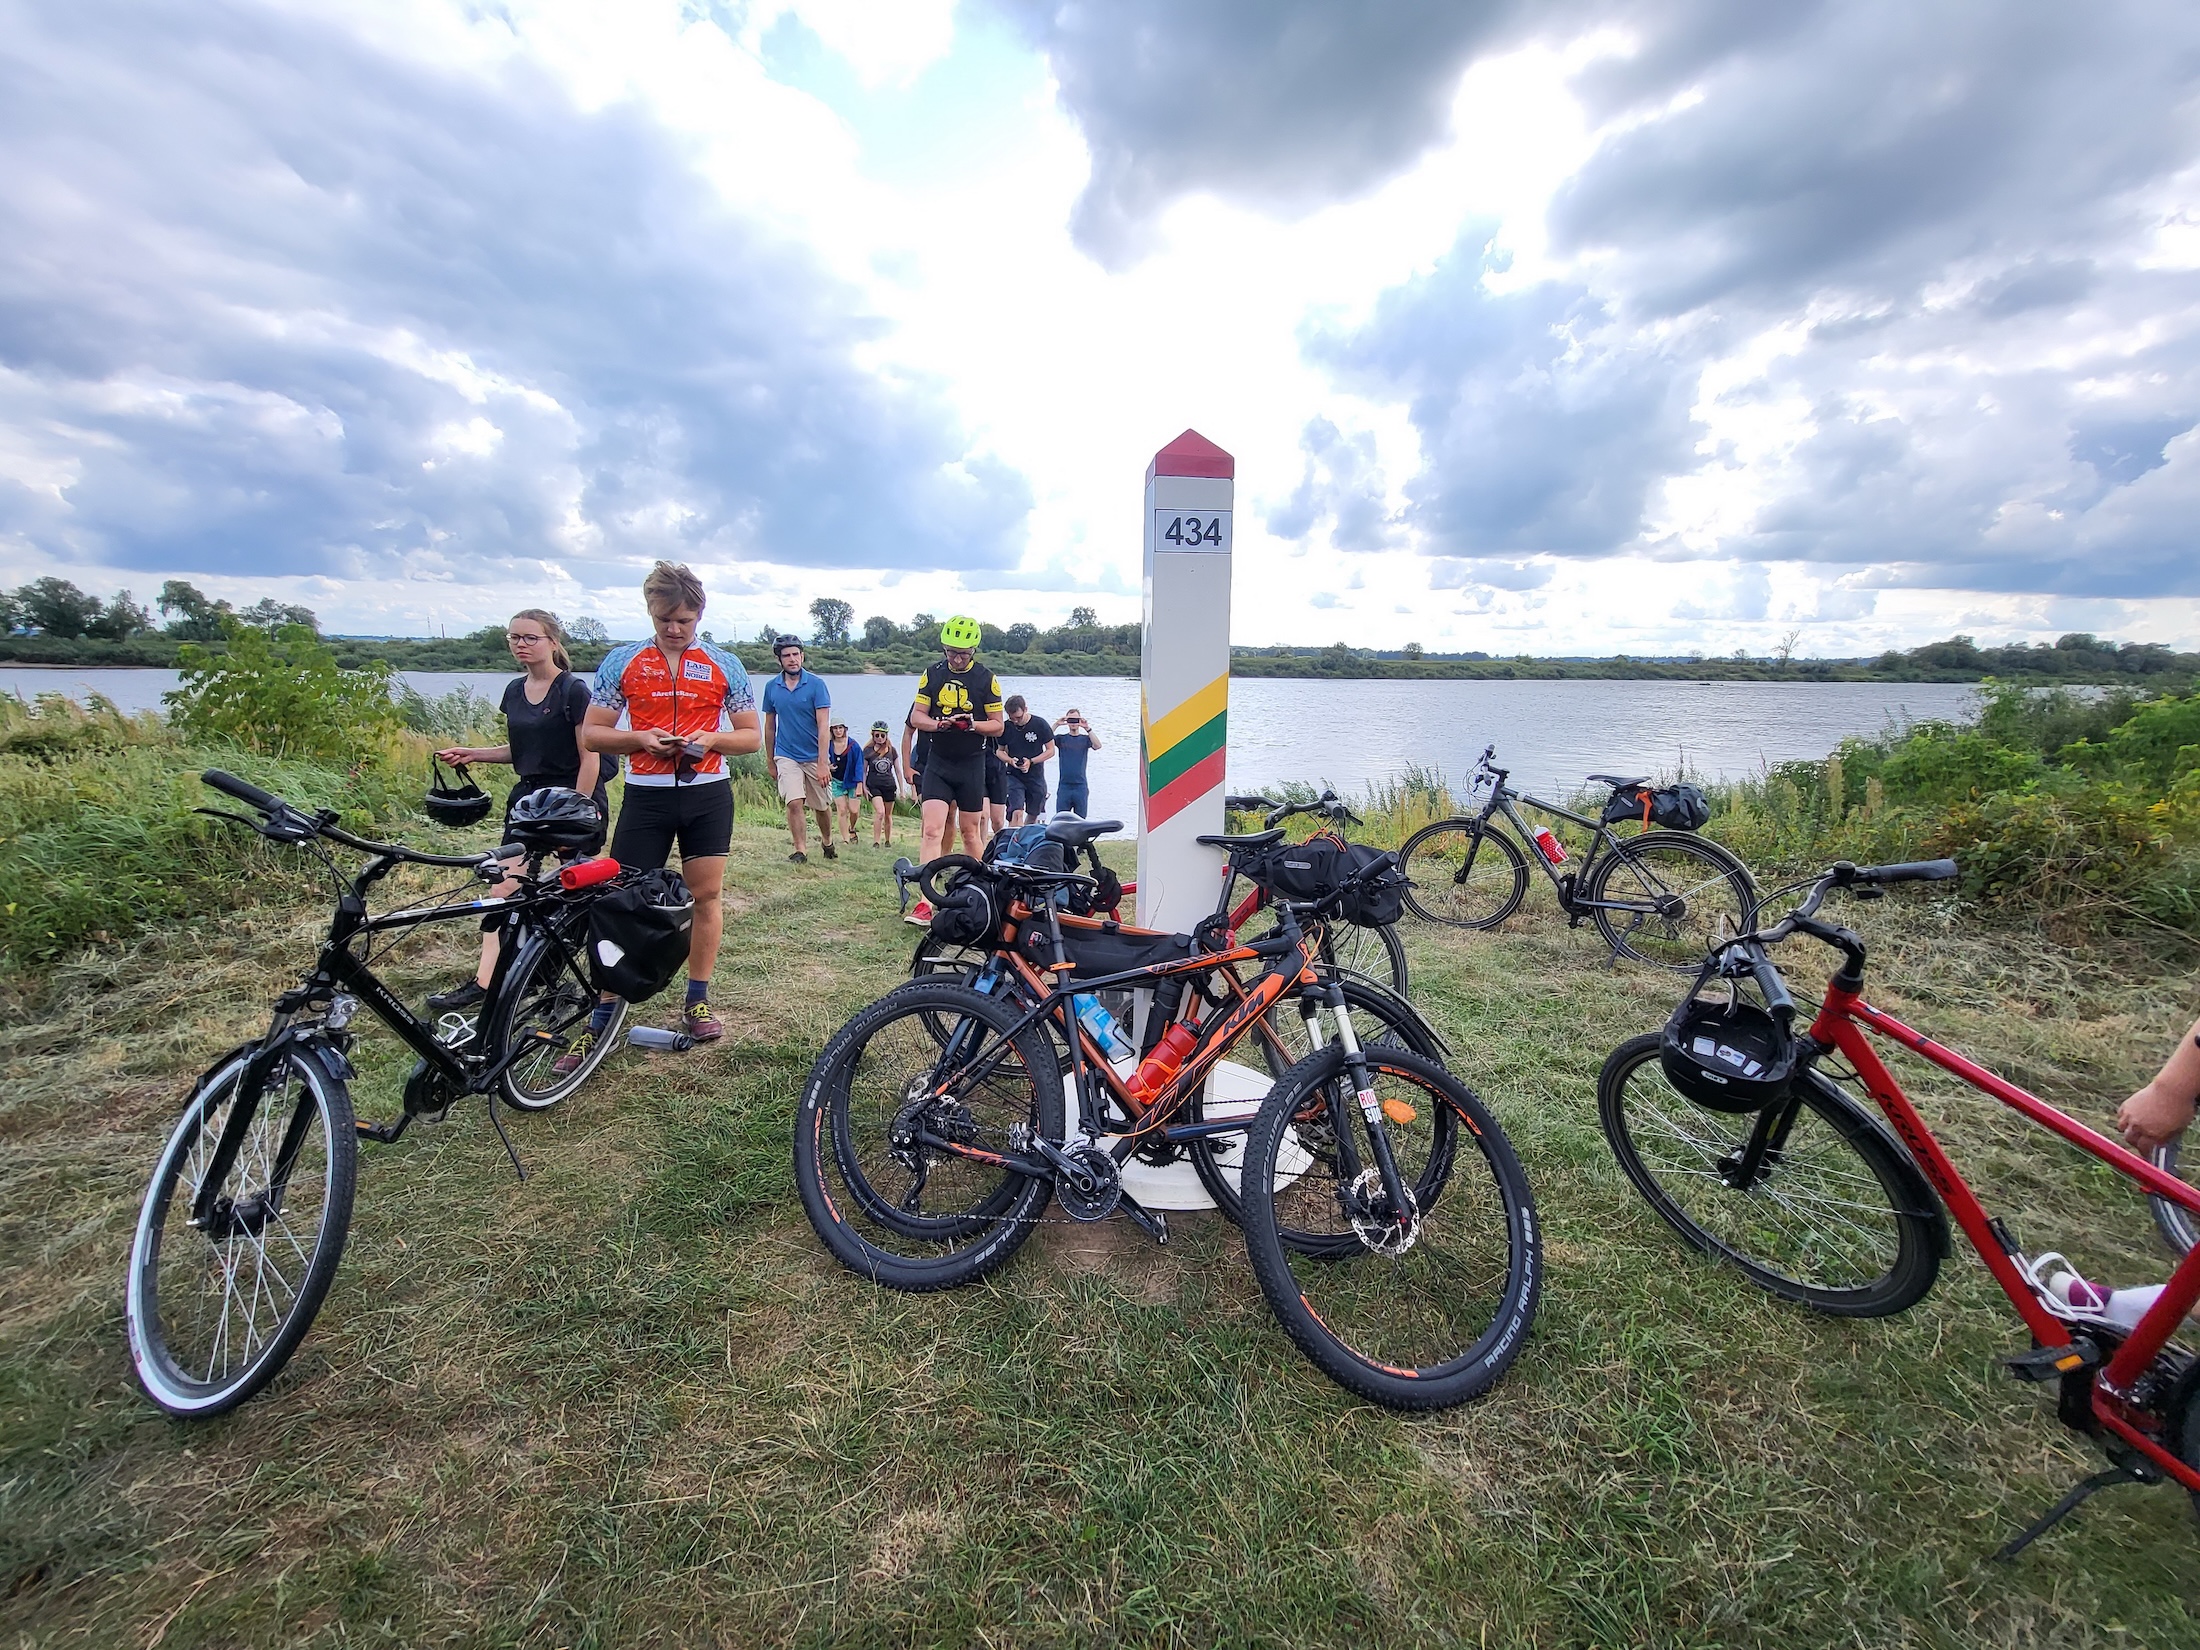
(702, 696)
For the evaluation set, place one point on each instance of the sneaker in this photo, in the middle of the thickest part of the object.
(576, 1056)
(702, 1025)
(458, 997)
(799, 857)
(920, 914)
(829, 854)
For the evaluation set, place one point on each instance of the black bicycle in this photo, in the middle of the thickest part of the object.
(1661, 897)
(245, 1218)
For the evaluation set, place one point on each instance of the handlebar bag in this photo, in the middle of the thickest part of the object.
(638, 934)
(968, 911)
(1096, 948)
(1666, 807)
(1319, 867)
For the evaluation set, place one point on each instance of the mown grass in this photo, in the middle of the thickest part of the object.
(631, 1401)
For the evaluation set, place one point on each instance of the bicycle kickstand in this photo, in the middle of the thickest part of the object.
(2123, 1472)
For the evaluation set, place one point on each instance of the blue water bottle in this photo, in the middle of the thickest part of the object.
(1106, 1030)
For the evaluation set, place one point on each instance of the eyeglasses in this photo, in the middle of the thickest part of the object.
(520, 638)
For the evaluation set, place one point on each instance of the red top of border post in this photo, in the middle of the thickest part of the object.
(1192, 454)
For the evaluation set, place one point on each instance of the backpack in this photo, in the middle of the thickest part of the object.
(638, 934)
(1320, 866)
(1667, 807)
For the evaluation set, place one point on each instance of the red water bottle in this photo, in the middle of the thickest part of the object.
(1166, 1060)
(1549, 846)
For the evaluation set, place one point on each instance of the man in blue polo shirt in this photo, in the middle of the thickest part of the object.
(796, 704)
(1075, 739)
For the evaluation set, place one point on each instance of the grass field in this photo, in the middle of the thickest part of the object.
(630, 1402)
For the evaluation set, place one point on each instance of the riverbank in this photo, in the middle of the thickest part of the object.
(630, 1400)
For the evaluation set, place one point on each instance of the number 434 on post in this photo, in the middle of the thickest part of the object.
(1181, 530)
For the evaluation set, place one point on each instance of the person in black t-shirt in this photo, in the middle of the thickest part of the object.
(958, 703)
(882, 776)
(541, 711)
(1026, 743)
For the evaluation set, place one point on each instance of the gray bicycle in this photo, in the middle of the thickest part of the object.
(1662, 897)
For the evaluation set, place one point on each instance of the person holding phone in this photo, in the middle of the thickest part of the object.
(958, 702)
(1075, 739)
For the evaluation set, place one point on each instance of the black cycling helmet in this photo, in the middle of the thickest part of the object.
(464, 803)
(555, 818)
(1731, 1056)
(783, 643)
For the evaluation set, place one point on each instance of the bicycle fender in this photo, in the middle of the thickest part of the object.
(1917, 1189)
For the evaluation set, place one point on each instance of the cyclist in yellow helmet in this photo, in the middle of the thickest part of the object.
(959, 704)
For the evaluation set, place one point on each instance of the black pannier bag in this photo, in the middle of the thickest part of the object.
(638, 934)
(968, 911)
(1318, 867)
(1097, 948)
(1667, 807)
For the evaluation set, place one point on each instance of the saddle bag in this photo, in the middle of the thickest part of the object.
(638, 934)
(1663, 807)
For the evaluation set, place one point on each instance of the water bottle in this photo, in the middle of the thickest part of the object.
(1166, 1060)
(657, 1037)
(1105, 1029)
(1549, 846)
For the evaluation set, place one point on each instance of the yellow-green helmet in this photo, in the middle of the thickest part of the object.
(960, 632)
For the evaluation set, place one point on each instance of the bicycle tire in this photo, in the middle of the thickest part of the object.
(1498, 895)
(153, 1312)
(838, 1130)
(2179, 1226)
(1217, 1160)
(1904, 1255)
(1373, 951)
(1471, 1306)
(1678, 938)
(564, 1004)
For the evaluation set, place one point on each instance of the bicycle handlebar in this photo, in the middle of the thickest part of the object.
(1329, 804)
(285, 823)
(243, 790)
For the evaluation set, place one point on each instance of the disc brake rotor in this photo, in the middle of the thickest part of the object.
(1367, 1206)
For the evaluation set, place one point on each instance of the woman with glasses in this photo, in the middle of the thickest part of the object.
(542, 710)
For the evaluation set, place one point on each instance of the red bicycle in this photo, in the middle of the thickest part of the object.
(1813, 1199)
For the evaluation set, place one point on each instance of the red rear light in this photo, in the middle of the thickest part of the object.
(588, 873)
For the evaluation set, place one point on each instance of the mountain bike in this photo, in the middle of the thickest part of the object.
(1373, 952)
(1394, 1238)
(1012, 964)
(246, 1214)
(1660, 897)
(1812, 1199)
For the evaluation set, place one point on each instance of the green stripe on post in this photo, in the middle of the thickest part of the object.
(1195, 747)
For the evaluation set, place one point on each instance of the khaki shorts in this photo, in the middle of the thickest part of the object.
(798, 782)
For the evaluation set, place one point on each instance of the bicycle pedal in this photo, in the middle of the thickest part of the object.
(2052, 1363)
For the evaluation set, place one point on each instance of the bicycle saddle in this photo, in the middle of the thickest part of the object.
(1077, 833)
(1251, 839)
(1614, 779)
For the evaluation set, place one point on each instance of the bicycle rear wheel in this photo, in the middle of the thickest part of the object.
(214, 1314)
(881, 1190)
(1463, 873)
(547, 1000)
(1827, 1222)
(1676, 891)
(1422, 1309)
(2179, 1226)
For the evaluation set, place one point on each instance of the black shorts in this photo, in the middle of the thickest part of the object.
(996, 780)
(1027, 793)
(653, 817)
(962, 783)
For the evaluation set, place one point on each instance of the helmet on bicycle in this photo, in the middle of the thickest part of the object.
(555, 818)
(961, 633)
(465, 803)
(1731, 1056)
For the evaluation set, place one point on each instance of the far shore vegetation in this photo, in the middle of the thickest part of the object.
(50, 621)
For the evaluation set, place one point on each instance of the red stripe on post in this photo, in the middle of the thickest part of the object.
(1192, 454)
(1187, 787)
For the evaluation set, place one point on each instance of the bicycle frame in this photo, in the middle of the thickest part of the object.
(1505, 800)
(1841, 1023)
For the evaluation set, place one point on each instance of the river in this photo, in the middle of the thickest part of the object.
(1353, 733)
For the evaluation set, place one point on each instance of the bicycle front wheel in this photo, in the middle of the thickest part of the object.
(1420, 1308)
(1463, 873)
(1826, 1222)
(546, 1001)
(1663, 897)
(2179, 1226)
(1374, 953)
(213, 1314)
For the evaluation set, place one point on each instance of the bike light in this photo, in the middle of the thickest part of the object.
(587, 874)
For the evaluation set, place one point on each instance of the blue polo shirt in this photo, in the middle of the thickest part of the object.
(797, 708)
(1073, 750)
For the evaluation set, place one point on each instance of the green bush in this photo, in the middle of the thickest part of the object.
(280, 692)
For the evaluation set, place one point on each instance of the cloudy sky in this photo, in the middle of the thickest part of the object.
(1578, 326)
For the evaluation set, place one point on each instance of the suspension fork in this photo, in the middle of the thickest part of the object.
(1371, 1111)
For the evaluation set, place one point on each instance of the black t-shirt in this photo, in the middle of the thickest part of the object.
(975, 692)
(881, 768)
(1024, 743)
(545, 749)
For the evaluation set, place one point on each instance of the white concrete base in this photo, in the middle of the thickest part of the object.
(1232, 1091)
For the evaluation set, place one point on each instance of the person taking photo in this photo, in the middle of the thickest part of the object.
(1075, 739)
(958, 702)
(675, 707)
(543, 709)
(796, 704)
